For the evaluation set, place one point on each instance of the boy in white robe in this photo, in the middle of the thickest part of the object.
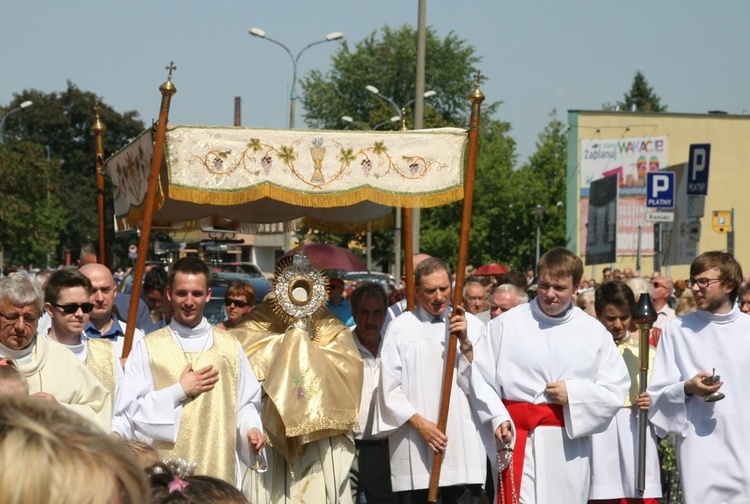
(556, 373)
(190, 388)
(614, 452)
(712, 435)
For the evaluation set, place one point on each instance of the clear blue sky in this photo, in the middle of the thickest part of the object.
(539, 55)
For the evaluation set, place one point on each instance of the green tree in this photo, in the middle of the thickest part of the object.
(450, 67)
(641, 95)
(488, 236)
(541, 182)
(31, 214)
(61, 123)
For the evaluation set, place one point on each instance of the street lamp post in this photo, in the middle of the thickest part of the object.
(415, 225)
(257, 32)
(351, 121)
(399, 110)
(538, 214)
(26, 104)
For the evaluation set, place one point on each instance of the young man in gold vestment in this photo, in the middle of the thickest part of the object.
(189, 386)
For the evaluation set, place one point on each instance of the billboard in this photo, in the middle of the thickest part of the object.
(629, 159)
(601, 236)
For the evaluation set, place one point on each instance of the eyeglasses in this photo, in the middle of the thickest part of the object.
(13, 318)
(235, 302)
(71, 308)
(702, 283)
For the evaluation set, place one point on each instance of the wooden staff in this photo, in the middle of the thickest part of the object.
(463, 251)
(409, 258)
(167, 91)
(408, 229)
(98, 129)
(644, 317)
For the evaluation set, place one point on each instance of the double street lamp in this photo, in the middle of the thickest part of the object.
(23, 105)
(350, 120)
(399, 110)
(257, 32)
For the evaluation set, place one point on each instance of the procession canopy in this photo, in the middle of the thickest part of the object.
(255, 180)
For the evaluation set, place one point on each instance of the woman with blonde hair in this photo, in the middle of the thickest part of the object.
(49, 454)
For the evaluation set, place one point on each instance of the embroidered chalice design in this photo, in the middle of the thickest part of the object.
(318, 152)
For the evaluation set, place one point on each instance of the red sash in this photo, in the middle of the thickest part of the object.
(526, 417)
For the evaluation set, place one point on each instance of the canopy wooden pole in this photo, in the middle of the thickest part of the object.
(409, 258)
(463, 251)
(98, 129)
(167, 91)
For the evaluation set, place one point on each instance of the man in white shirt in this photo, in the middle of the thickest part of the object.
(556, 373)
(190, 387)
(371, 470)
(411, 382)
(711, 434)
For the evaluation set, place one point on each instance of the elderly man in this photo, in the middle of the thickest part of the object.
(660, 299)
(714, 340)
(411, 377)
(102, 321)
(504, 297)
(371, 470)
(475, 300)
(51, 370)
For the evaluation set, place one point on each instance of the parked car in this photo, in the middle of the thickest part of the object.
(352, 278)
(226, 273)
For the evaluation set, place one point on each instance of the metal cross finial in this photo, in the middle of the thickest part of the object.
(479, 77)
(171, 67)
(96, 107)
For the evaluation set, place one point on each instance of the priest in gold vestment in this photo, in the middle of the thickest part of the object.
(311, 374)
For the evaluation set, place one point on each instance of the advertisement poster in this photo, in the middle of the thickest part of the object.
(627, 159)
(601, 235)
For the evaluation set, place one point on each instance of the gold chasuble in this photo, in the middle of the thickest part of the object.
(312, 376)
(200, 439)
(100, 359)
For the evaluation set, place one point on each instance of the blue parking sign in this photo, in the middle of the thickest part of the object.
(700, 156)
(660, 189)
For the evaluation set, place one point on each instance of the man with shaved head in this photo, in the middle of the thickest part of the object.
(102, 322)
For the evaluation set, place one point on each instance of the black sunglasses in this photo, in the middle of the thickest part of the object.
(235, 302)
(70, 309)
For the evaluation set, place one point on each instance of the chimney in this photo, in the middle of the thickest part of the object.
(237, 111)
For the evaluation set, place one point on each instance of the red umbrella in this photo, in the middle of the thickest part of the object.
(325, 256)
(491, 269)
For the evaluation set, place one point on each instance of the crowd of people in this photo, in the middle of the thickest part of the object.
(314, 397)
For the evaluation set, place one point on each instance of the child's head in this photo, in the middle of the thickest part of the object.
(11, 379)
(169, 487)
(614, 306)
(143, 452)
